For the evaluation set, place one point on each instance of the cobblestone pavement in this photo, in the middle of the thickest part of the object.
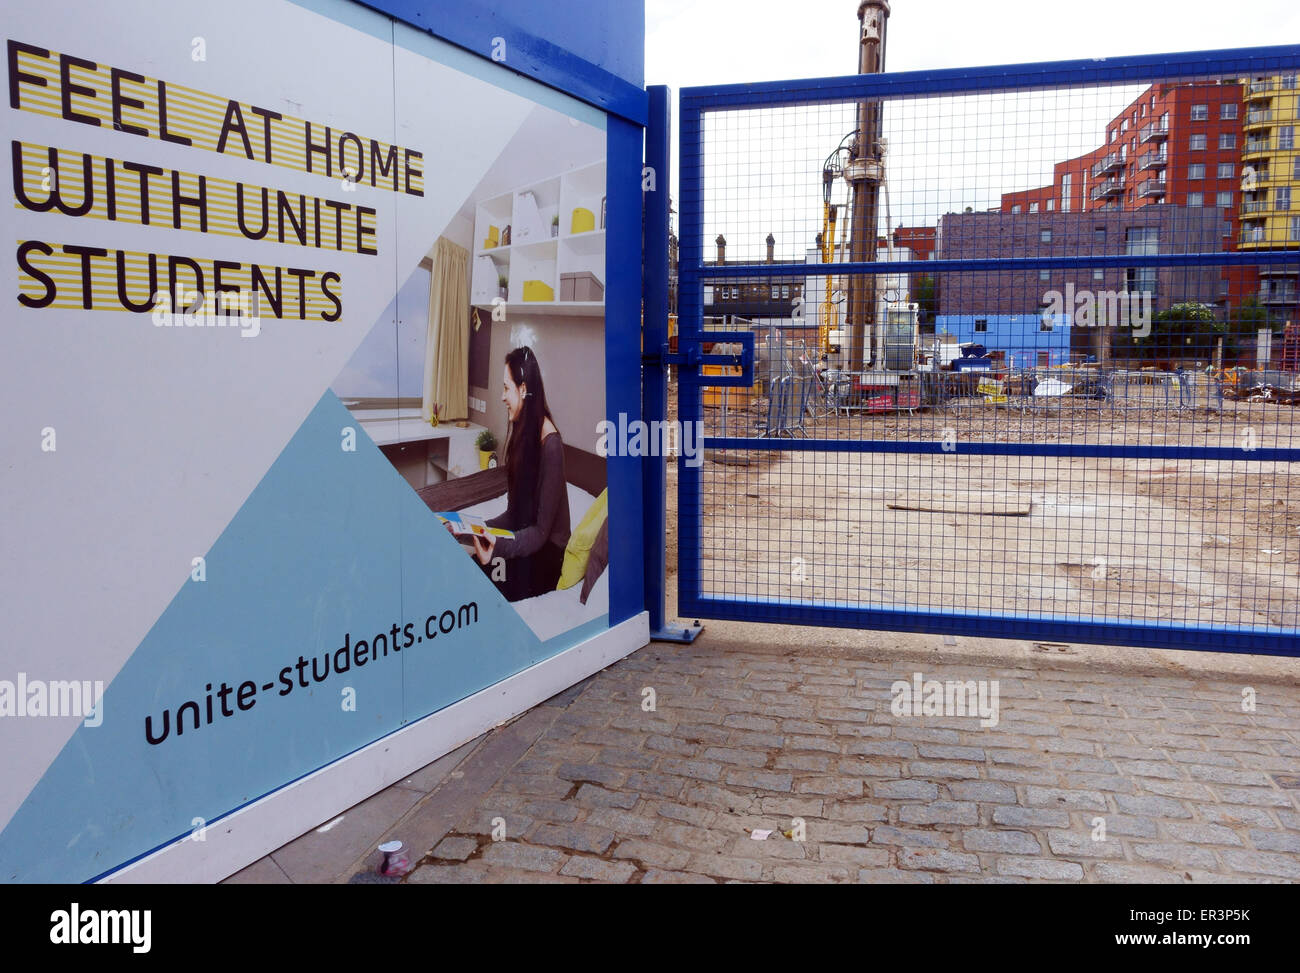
(1186, 784)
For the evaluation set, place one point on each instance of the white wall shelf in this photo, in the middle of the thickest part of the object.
(533, 254)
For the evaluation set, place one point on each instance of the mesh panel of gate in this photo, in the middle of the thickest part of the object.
(1028, 352)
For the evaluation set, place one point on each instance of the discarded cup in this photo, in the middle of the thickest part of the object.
(395, 862)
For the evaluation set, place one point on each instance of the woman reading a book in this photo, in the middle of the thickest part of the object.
(537, 497)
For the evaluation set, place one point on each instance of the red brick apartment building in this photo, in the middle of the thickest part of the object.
(1174, 144)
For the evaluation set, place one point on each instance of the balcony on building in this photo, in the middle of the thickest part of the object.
(1151, 187)
(1257, 117)
(1112, 161)
(1155, 159)
(1154, 131)
(1261, 87)
(1277, 295)
(1255, 206)
(1257, 147)
(1111, 187)
(1281, 270)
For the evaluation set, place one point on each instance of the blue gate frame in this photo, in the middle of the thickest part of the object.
(694, 104)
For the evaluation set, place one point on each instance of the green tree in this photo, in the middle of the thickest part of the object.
(1187, 330)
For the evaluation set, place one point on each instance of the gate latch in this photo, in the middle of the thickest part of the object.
(690, 354)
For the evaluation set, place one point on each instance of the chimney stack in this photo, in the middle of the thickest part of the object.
(771, 249)
(722, 248)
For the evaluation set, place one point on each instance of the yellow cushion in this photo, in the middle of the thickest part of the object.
(584, 220)
(580, 541)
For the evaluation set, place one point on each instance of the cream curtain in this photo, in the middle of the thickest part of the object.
(446, 365)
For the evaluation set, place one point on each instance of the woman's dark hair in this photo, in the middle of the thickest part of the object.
(524, 447)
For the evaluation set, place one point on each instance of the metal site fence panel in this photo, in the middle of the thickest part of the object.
(1027, 345)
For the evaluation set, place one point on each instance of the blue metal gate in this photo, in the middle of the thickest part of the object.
(1017, 351)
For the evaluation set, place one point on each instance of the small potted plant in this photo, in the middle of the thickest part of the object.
(503, 283)
(555, 225)
(487, 444)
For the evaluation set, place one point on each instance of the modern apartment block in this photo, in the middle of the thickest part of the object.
(1176, 145)
(1005, 309)
(1270, 205)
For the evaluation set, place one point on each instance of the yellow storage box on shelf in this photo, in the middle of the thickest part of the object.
(536, 290)
(584, 221)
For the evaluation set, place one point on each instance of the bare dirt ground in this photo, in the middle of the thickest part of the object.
(1214, 543)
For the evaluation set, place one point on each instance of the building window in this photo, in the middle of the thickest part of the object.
(1045, 323)
(1044, 275)
(1195, 199)
(1286, 138)
(1200, 113)
(1227, 170)
(1045, 236)
(1099, 274)
(1196, 143)
(1196, 170)
(1296, 174)
(981, 325)
(1224, 200)
(1033, 207)
(1228, 109)
(1051, 203)
(1288, 81)
(1066, 181)
(1228, 140)
(1123, 125)
(785, 292)
(1282, 198)
(1016, 208)
(1295, 228)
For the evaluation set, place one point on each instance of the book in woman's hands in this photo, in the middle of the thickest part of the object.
(466, 526)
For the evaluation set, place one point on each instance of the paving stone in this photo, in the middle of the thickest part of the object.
(1255, 796)
(1149, 806)
(660, 785)
(1203, 834)
(1264, 863)
(761, 779)
(1287, 841)
(1009, 842)
(744, 758)
(857, 811)
(447, 875)
(1059, 798)
(455, 849)
(658, 876)
(1174, 854)
(939, 812)
(578, 837)
(893, 876)
(724, 866)
(627, 759)
(589, 795)
(840, 787)
(939, 751)
(886, 835)
(598, 871)
(512, 854)
(561, 811)
(813, 874)
(667, 744)
(882, 748)
(855, 855)
(937, 860)
(621, 822)
(982, 791)
(1117, 873)
(1042, 868)
(922, 768)
(813, 763)
(595, 773)
(650, 853)
(916, 790)
(1031, 817)
(1074, 844)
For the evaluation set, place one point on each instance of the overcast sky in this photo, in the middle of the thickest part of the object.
(701, 42)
